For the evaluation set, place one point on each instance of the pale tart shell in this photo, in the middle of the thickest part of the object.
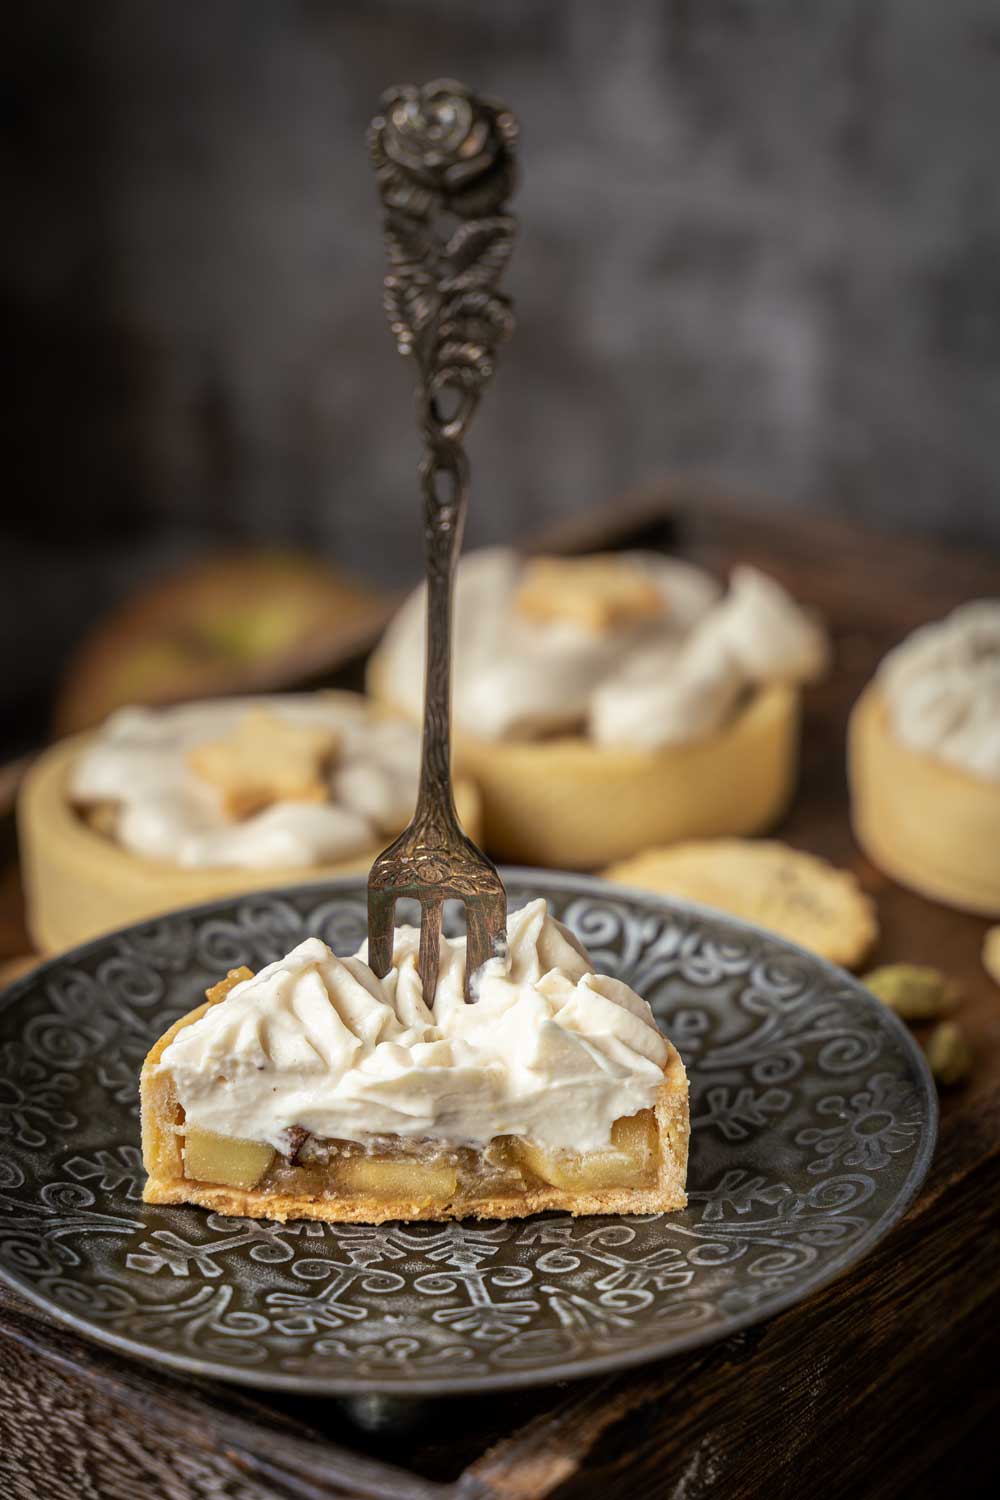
(162, 1138)
(79, 883)
(573, 805)
(930, 825)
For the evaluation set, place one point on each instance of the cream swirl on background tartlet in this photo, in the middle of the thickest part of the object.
(670, 670)
(140, 767)
(942, 689)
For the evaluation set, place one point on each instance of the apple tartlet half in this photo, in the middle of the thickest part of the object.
(315, 1090)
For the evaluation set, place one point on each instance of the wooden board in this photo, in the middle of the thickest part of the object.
(884, 1385)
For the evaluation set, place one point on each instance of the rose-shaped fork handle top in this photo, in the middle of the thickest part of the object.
(445, 169)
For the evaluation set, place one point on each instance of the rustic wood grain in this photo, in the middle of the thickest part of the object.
(229, 1443)
(881, 1386)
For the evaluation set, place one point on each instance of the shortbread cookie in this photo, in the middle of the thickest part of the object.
(266, 759)
(803, 898)
(597, 593)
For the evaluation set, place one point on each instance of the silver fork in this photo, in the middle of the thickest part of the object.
(442, 155)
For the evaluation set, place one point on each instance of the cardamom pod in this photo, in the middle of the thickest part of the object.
(949, 1053)
(914, 991)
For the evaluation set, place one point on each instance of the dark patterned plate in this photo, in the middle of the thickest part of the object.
(814, 1122)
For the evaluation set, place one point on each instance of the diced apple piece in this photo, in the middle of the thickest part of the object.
(628, 1162)
(502, 1170)
(502, 1152)
(636, 1137)
(219, 1158)
(416, 1181)
(572, 1172)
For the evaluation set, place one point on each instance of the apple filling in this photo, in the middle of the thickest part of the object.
(425, 1171)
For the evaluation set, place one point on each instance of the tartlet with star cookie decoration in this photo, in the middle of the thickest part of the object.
(166, 807)
(607, 703)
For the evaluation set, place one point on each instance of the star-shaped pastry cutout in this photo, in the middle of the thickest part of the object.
(267, 759)
(597, 593)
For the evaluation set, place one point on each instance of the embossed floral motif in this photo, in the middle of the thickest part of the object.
(356, 1268)
(258, 931)
(73, 1027)
(120, 1167)
(476, 1297)
(736, 1112)
(45, 1234)
(203, 1321)
(739, 1191)
(791, 1021)
(343, 924)
(102, 1019)
(299, 1314)
(777, 1246)
(867, 1128)
(32, 1099)
(11, 1175)
(441, 142)
(356, 1306)
(267, 1244)
(688, 1029)
(625, 1280)
(117, 1076)
(396, 1354)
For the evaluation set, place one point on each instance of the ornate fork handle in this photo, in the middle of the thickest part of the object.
(441, 154)
(438, 151)
(445, 168)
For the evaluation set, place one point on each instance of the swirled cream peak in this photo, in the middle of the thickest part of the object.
(162, 772)
(942, 689)
(633, 650)
(550, 1049)
(519, 674)
(671, 694)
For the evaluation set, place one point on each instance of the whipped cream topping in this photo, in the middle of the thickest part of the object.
(138, 762)
(647, 683)
(550, 1049)
(942, 688)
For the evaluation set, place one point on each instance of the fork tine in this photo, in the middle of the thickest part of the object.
(478, 946)
(430, 947)
(381, 931)
(485, 925)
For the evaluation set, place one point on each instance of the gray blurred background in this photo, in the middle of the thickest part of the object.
(761, 242)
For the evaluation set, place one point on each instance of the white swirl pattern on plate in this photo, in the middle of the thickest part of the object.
(813, 1124)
